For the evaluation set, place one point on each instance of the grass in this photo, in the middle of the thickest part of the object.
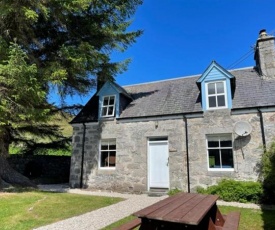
(28, 210)
(251, 219)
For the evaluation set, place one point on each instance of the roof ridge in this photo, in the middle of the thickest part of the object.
(164, 80)
(183, 77)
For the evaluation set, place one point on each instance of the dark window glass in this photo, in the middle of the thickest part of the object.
(211, 88)
(214, 158)
(106, 100)
(226, 143)
(212, 101)
(112, 147)
(221, 100)
(227, 158)
(220, 88)
(104, 156)
(213, 144)
(110, 110)
(112, 100)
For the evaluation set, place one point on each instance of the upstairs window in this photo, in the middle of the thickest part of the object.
(108, 106)
(216, 95)
(108, 153)
(220, 152)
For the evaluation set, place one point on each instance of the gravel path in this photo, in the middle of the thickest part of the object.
(105, 216)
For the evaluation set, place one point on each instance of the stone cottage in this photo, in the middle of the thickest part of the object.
(178, 133)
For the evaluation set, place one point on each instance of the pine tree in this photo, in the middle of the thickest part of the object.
(61, 44)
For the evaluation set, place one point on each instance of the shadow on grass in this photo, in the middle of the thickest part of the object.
(268, 218)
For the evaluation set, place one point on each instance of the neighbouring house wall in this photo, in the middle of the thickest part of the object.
(247, 150)
(269, 126)
(130, 173)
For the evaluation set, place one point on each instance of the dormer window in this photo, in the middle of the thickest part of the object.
(216, 86)
(216, 95)
(108, 106)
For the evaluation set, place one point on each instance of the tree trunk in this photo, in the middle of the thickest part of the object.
(7, 173)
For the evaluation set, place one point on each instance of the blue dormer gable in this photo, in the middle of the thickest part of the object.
(216, 86)
(110, 99)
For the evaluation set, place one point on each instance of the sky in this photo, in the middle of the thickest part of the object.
(182, 37)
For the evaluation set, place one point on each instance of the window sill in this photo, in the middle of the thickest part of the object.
(107, 168)
(221, 169)
(107, 118)
(216, 108)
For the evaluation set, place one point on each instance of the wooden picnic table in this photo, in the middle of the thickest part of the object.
(182, 211)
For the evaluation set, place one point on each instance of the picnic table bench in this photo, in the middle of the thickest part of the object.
(184, 211)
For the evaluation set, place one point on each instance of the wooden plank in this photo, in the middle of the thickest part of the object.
(232, 221)
(130, 225)
(219, 219)
(187, 208)
(184, 209)
(172, 207)
(146, 211)
(195, 215)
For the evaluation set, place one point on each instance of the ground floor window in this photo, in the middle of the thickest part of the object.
(108, 153)
(220, 152)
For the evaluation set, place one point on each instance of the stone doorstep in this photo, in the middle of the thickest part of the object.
(157, 192)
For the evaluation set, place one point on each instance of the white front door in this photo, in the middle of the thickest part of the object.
(158, 164)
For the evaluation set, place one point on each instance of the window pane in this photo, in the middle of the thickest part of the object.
(212, 102)
(221, 100)
(110, 110)
(104, 147)
(104, 111)
(211, 88)
(226, 143)
(227, 158)
(213, 144)
(108, 153)
(105, 101)
(103, 162)
(112, 147)
(111, 160)
(112, 101)
(220, 88)
(214, 158)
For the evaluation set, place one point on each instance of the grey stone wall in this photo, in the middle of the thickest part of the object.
(130, 174)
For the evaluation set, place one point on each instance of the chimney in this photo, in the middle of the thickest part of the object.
(265, 55)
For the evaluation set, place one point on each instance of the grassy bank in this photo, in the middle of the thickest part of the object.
(27, 210)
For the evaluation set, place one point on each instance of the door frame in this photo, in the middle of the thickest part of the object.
(156, 140)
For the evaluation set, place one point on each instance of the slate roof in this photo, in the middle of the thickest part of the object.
(182, 96)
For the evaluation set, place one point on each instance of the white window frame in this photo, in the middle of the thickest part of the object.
(216, 95)
(219, 138)
(107, 150)
(108, 106)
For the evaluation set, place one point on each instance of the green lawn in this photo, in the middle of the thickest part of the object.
(27, 210)
(251, 219)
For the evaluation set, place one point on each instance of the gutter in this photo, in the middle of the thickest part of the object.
(262, 128)
(187, 155)
(82, 155)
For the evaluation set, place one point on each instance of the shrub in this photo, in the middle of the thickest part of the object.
(231, 190)
(267, 174)
(173, 191)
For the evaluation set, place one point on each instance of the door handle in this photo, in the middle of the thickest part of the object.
(167, 161)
